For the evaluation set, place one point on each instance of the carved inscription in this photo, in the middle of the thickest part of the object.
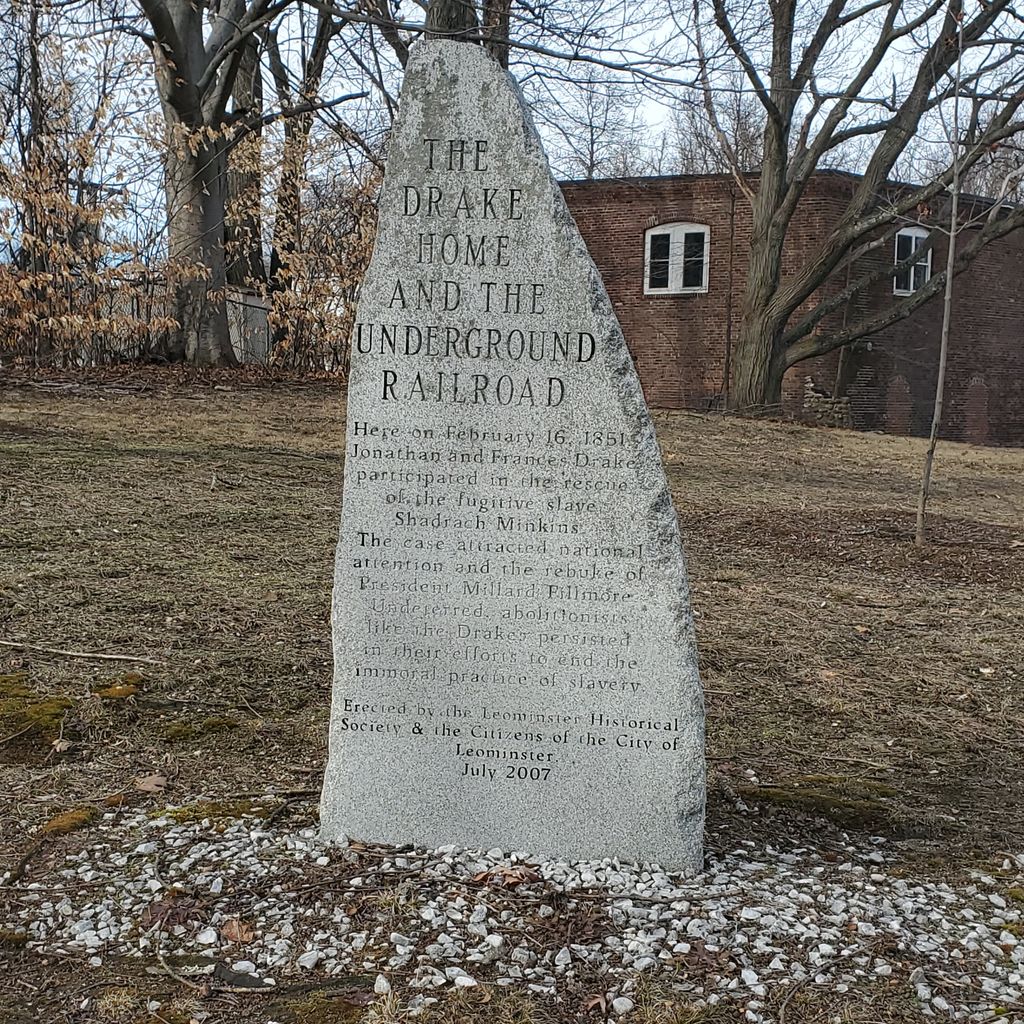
(488, 571)
(501, 329)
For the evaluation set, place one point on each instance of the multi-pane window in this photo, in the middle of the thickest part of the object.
(908, 279)
(676, 259)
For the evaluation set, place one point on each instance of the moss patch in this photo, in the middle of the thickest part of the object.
(11, 939)
(318, 1008)
(118, 691)
(851, 803)
(180, 731)
(15, 684)
(845, 785)
(70, 821)
(125, 685)
(25, 713)
(213, 810)
(217, 723)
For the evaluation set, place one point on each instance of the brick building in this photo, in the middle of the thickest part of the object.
(672, 252)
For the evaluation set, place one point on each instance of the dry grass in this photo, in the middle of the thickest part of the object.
(839, 657)
(871, 687)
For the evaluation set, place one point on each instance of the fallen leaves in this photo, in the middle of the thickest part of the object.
(236, 930)
(151, 783)
(172, 910)
(508, 877)
(700, 961)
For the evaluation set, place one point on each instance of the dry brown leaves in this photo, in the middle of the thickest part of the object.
(175, 908)
(508, 877)
(236, 930)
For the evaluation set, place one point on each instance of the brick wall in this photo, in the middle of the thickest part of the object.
(682, 344)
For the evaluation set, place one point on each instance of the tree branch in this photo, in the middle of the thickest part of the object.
(808, 347)
(727, 30)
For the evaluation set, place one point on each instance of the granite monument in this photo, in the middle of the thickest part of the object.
(514, 655)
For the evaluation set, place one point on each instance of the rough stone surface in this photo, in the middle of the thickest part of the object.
(514, 654)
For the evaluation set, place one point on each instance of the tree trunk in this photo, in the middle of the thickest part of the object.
(287, 233)
(757, 369)
(195, 186)
(37, 220)
(452, 18)
(243, 229)
(496, 19)
(288, 205)
(756, 384)
(947, 303)
(196, 200)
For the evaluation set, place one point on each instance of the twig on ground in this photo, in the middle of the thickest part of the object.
(815, 969)
(210, 987)
(20, 732)
(17, 872)
(81, 654)
(818, 755)
(277, 794)
(802, 983)
(177, 977)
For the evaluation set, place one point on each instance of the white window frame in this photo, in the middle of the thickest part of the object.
(920, 234)
(676, 232)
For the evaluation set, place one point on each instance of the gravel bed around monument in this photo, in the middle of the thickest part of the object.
(265, 906)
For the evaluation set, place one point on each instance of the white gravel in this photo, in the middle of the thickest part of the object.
(756, 922)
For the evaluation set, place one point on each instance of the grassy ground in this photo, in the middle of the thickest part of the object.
(854, 683)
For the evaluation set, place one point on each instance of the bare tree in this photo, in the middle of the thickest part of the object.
(947, 297)
(199, 51)
(243, 223)
(1000, 189)
(730, 138)
(287, 236)
(196, 65)
(593, 125)
(826, 77)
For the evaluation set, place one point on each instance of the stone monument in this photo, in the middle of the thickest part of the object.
(514, 656)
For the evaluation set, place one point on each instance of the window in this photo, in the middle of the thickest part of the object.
(914, 275)
(676, 259)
